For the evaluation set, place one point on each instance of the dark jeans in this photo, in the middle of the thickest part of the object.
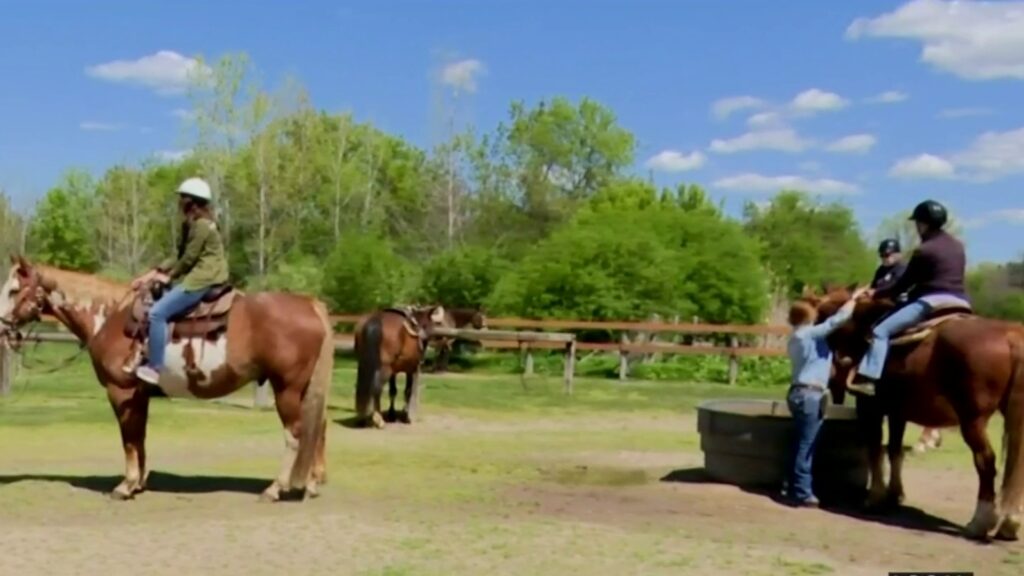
(805, 407)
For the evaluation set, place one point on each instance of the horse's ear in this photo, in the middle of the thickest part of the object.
(14, 258)
(808, 291)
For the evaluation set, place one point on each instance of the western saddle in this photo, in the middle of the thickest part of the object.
(939, 316)
(414, 326)
(207, 320)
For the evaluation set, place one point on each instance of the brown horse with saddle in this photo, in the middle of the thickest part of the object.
(226, 341)
(387, 343)
(953, 369)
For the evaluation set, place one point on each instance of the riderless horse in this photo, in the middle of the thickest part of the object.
(388, 342)
(455, 318)
(227, 341)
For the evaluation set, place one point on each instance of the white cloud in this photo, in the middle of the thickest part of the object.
(973, 40)
(462, 75)
(90, 126)
(173, 155)
(165, 72)
(853, 144)
(724, 107)
(781, 139)
(922, 166)
(814, 100)
(993, 155)
(750, 182)
(809, 166)
(183, 114)
(1010, 216)
(964, 112)
(674, 161)
(889, 97)
(765, 120)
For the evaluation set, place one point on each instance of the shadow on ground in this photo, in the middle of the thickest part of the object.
(158, 482)
(904, 517)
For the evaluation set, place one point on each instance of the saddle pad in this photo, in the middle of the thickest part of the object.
(924, 329)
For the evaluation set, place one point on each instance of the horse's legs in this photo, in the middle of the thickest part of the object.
(870, 419)
(320, 464)
(131, 406)
(392, 394)
(377, 420)
(930, 439)
(897, 428)
(289, 408)
(412, 396)
(985, 514)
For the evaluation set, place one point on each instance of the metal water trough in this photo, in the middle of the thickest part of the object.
(746, 443)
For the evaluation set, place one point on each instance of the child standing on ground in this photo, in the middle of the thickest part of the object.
(811, 360)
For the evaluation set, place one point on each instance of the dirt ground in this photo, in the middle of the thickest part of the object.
(463, 491)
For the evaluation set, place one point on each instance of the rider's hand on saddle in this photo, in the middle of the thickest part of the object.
(862, 292)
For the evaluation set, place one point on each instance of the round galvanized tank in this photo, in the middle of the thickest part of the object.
(746, 442)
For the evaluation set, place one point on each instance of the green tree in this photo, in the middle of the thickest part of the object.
(809, 243)
(634, 262)
(11, 230)
(462, 277)
(363, 273)
(62, 232)
(995, 292)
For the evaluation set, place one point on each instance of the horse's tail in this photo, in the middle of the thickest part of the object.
(314, 403)
(1013, 428)
(368, 372)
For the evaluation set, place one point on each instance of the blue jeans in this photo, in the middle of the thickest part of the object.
(805, 408)
(173, 302)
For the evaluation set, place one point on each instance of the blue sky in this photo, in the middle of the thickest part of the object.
(880, 104)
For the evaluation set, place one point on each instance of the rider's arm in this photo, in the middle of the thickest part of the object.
(199, 231)
(835, 321)
(906, 280)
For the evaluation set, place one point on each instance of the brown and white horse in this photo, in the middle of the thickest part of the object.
(281, 338)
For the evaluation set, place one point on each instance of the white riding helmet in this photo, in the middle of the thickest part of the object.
(195, 187)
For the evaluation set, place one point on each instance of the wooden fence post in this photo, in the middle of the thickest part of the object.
(734, 361)
(7, 360)
(570, 365)
(527, 359)
(623, 358)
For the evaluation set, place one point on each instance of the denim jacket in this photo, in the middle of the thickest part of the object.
(809, 354)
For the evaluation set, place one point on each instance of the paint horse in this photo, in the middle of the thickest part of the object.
(954, 369)
(281, 338)
(455, 318)
(389, 342)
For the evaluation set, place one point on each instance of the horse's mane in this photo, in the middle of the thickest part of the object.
(79, 286)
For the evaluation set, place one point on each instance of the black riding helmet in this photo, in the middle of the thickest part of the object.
(889, 246)
(931, 213)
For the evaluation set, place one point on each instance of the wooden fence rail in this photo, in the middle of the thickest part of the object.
(526, 335)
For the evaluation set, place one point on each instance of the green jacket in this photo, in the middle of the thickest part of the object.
(202, 263)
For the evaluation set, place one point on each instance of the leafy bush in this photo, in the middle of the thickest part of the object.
(462, 277)
(363, 273)
(630, 263)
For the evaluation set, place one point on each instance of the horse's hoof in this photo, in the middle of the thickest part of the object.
(310, 493)
(1008, 529)
(270, 496)
(377, 421)
(404, 418)
(121, 495)
(894, 500)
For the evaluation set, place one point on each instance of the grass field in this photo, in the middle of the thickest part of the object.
(497, 478)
